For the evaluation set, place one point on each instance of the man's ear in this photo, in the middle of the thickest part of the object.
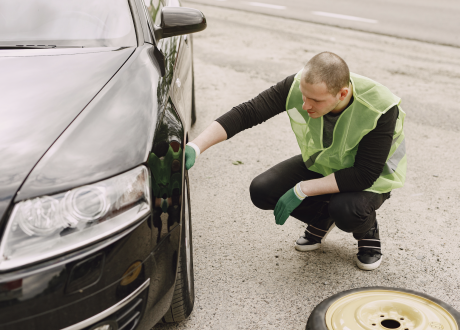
(343, 93)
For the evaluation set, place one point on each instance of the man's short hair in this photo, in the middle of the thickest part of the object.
(329, 68)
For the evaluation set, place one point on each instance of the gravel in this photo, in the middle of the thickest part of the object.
(247, 273)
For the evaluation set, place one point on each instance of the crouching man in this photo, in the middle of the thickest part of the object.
(350, 132)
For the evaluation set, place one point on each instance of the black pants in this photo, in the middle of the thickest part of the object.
(352, 212)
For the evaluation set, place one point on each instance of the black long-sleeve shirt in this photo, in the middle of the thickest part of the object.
(372, 151)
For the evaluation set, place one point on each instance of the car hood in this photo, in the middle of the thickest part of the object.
(41, 93)
(113, 134)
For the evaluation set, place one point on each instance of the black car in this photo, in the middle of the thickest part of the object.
(96, 101)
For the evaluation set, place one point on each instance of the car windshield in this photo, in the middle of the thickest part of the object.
(66, 23)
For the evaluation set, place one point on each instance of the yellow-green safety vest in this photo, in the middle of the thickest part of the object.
(371, 100)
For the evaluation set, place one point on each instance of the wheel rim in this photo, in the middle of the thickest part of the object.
(387, 309)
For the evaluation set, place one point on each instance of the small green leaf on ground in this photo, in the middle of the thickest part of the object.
(238, 162)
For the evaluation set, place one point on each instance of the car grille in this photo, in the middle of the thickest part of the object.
(130, 315)
(126, 318)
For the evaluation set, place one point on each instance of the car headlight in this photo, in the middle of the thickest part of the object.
(48, 226)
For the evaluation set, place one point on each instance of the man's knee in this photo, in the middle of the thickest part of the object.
(346, 215)
(259, 193)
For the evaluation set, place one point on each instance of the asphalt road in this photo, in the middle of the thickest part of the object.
(426, 20)
(247, 273)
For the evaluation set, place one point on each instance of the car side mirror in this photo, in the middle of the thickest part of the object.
(176, 21)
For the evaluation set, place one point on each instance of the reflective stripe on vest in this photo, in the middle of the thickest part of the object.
(392, 163)
(371, 100)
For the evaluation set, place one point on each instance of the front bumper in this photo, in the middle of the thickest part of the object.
(81, 291)
(126, 314)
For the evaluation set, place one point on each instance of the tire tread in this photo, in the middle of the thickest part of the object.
(183, 300)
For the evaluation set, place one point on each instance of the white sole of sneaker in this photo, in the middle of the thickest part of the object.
(368, 266)
(304, 248)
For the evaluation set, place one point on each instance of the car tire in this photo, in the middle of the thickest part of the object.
(193, 117)
(184, 291)
(382, 308)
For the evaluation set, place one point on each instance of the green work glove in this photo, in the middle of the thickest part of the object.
(190, 156)
(286, 204)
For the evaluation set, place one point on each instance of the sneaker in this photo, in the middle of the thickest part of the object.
(312, 238)
(369, 256)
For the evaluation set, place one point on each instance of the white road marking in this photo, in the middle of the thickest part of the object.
(350, 18)
(266, 5)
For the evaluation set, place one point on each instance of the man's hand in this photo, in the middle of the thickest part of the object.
(286, 204)
(190, 156)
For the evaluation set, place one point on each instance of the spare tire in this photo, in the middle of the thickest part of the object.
(383, 308)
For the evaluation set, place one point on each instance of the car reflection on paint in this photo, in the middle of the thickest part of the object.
(97, 101)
